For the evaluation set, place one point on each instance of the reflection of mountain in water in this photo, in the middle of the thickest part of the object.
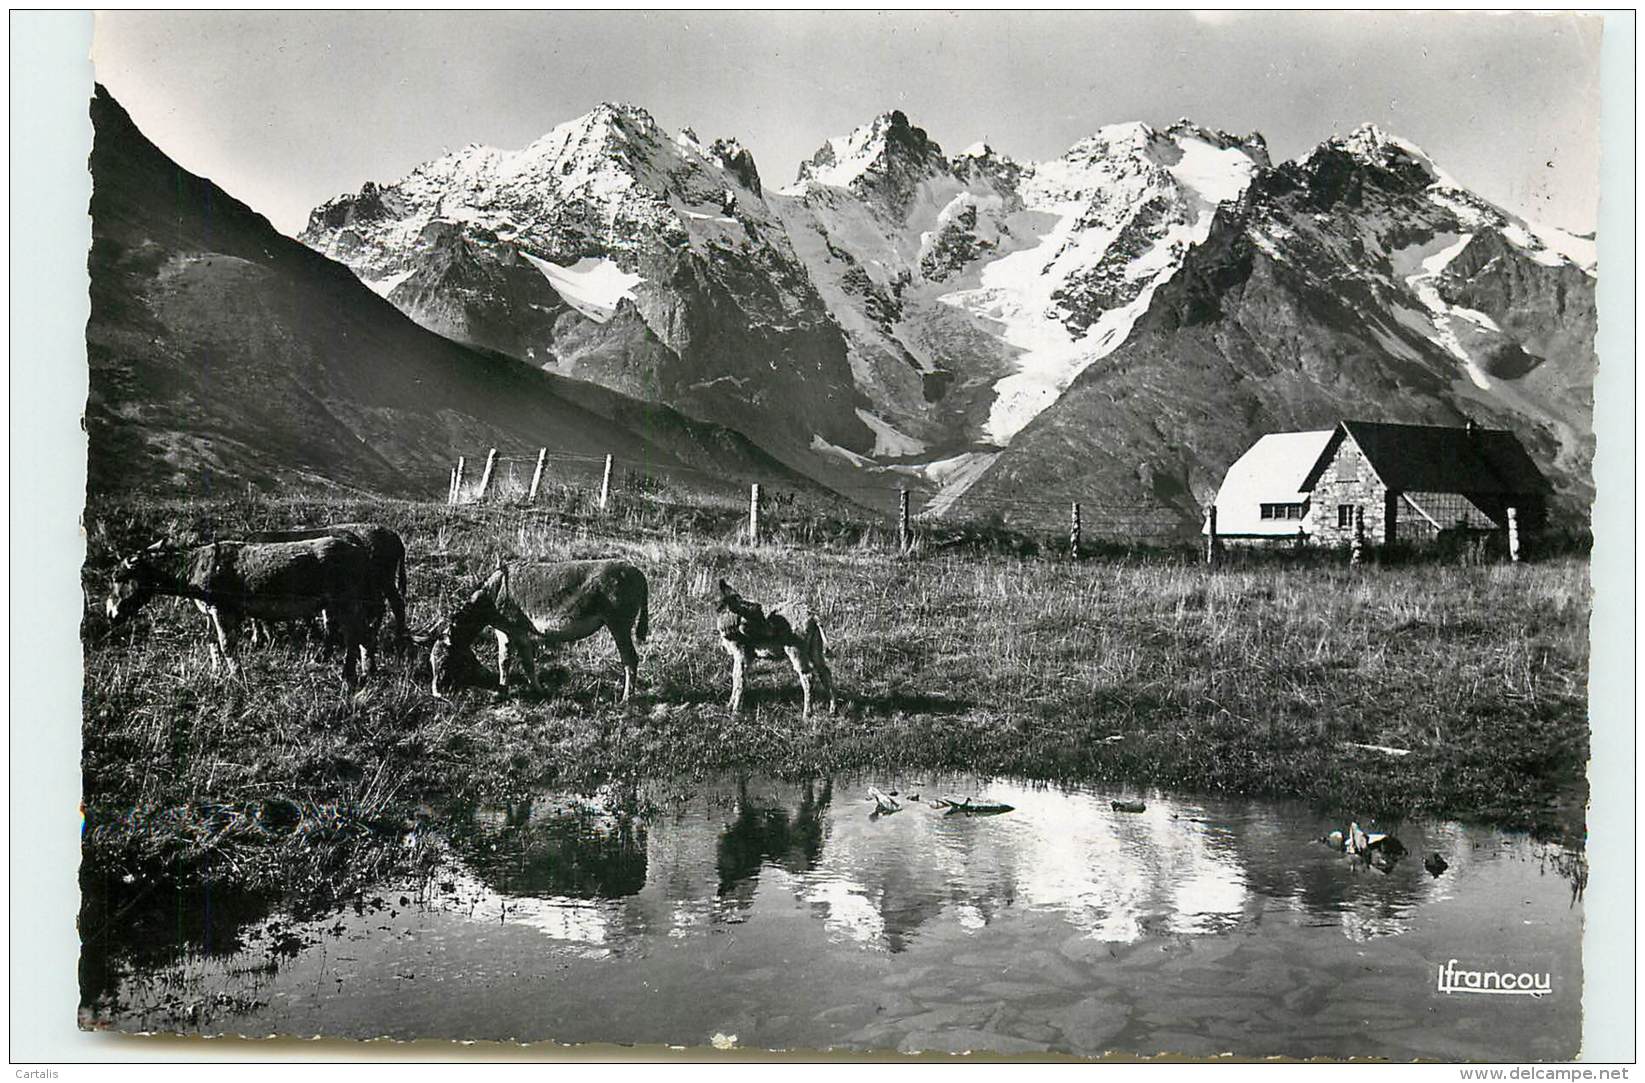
(703, 859)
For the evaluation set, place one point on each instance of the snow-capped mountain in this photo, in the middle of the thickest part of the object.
(610, 251)
(1358, 281)
(900, 309)
(222, 354)
(974, 290)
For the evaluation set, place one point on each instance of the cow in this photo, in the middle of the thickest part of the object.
(552, 601)
(748, 632)
(235, 581)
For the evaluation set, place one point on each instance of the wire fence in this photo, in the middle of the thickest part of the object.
(906, 514)
(876, 511)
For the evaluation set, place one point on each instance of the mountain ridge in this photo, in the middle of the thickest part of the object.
(901, 314)
(224, 353)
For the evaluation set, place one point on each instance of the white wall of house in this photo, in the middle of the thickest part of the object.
(1270, 473)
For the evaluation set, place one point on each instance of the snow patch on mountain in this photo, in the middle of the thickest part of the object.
(1431, 259)
(818, 444)
(592, 286)
(888, 440)
(1128, 202)
(953, 476)
(382, 287)
(1217, 174)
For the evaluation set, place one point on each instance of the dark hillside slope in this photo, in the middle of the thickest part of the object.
(223, 353)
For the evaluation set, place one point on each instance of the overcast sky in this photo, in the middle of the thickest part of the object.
(286, 110)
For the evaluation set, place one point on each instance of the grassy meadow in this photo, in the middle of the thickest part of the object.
(1141, 668)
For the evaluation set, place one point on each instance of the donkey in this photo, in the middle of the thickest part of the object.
(388, 557)
(748, 632)
(279, 581)
(388, 561)
(553, 601)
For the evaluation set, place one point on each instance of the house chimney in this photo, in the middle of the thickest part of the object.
(1472, 429)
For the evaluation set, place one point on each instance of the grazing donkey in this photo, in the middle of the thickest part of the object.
(234, 581)
(748, 632)
(388, 557)
(554, 601)
(388, 562)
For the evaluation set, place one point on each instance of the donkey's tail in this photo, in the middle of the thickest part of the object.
(643, 629)
(814, 633)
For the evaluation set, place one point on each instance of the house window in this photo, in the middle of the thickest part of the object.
(1345, 515)
(1282, 511)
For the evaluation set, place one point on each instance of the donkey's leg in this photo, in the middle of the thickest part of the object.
(225, 626)
(350, 635)
(826, 676)
(502, 663)
(345, 621)
(368, 639)
(802, 668)
(740, 657)
(524, 643)
(625, 650)
(397, 603)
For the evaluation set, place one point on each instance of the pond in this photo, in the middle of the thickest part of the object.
(761, 913)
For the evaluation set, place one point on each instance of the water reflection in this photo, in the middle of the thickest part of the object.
(766, 833)
(623, 865)
(789, 913)
(554, 845)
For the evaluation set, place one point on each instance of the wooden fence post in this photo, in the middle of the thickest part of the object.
(1356, 553)
(1074, 530)
(754, 514)
(1513, 535)
(451, 486)
(485, 478)
(905, 539)
(1210, 535)
(457, 483)
(605, 484)
(537, 475)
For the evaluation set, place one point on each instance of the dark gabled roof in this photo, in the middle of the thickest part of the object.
(1431, 458)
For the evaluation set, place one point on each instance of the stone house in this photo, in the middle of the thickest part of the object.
(1412, 483)
(1409, 483)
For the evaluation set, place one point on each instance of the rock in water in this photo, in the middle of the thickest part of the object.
(883, 802)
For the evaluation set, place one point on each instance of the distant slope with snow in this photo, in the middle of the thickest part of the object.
(610, 251)
(967, 324)
(1358, 281)
(223, 354)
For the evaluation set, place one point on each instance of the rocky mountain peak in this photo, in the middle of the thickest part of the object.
(1372, 154)
(886, 146)
(1252, 143)
(738, 161)
(980, 161)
